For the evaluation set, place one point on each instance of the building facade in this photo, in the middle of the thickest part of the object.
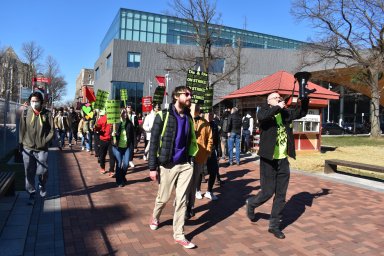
(85, 78)
(130, 55)
(130, 58)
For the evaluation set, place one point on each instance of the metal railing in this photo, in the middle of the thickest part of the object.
(8, 128)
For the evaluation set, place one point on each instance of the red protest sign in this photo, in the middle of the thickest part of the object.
(146, 103)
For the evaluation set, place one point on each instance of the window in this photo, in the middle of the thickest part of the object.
(134, 59)
(109, 61)
(216, 66)
(134, 90)
(97, 73)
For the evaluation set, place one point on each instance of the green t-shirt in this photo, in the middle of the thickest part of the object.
(123, 140)
(281, 140)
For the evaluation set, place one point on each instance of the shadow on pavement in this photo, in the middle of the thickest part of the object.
(296, 206)
(232, 197)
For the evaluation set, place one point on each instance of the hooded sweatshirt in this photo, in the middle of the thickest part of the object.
(36, 129)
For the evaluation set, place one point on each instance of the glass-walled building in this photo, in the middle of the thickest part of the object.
(155, 28)
(130, 58)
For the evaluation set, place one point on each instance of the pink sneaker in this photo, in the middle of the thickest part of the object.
(154, 224)
(186, 244)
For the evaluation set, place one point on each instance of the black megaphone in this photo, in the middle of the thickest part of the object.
(302, 78)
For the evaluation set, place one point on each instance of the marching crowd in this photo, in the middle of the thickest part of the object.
(181, 144)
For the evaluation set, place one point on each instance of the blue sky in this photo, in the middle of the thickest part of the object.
(71, 30)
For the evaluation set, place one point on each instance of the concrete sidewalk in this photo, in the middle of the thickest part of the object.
(86, 214)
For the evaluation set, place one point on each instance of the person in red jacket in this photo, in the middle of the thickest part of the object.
(105, 131)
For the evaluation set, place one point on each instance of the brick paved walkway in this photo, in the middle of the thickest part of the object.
(321, 217)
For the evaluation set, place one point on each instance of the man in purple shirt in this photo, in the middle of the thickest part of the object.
(173, 145)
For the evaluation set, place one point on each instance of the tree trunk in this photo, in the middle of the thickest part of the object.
(375, 106)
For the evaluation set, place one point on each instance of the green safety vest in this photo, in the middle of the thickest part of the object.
(193, 147)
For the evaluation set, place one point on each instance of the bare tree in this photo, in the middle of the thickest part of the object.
(57, 88)
(201, 15)
(350, 34)
(32, 53)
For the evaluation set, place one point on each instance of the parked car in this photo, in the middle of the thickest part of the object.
(360, 128)
(332, 129)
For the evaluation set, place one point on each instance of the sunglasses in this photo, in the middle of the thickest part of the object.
(187, 94)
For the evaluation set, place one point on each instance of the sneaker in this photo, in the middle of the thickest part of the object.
(154, 224)
(82, 148)
(210, 196)
(199, 195)
(103, 171)
(131, 164)
(31, 200)
(43, 191)
(88, 150)
(144, 158)
(185, 243)
(70, 145)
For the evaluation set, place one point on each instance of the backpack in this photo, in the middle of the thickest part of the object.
(225, 127)
(246, 123)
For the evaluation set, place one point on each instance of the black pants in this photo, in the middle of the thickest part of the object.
(103, 149)
(96, 138)
(274, 179)
(213, 170)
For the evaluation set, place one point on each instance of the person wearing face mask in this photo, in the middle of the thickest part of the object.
(35, 133)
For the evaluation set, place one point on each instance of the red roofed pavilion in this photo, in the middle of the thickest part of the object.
(282, 82)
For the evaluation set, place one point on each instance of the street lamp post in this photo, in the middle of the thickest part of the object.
(329, 103)
(167, 78)
(149, 87)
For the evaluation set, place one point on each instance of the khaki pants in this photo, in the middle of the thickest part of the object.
(178, 177)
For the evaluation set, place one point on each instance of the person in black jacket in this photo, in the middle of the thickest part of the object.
(234, 134)
(276, 144)
(173, 145)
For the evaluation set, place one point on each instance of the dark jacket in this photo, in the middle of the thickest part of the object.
(129, 129)
(36, 132)
(268, 127)
(163, 155)
(235, 123)
(215, 135)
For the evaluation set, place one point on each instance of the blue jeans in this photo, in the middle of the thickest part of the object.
(87, 139)
(61, 134)
(70, 136)
(234, 138)
(122, 158)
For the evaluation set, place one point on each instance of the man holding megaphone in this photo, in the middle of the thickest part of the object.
(276, 144)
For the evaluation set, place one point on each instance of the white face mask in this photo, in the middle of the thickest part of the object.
(35, 105)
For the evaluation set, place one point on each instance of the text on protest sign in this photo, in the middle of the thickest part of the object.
(101, 98)
(112, 108)
(197, 81)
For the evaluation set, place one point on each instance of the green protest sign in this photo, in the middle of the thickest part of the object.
(112, 108)
(101, 98)
(197, 81)
(208, 100)
(159, 95)
(124, 96)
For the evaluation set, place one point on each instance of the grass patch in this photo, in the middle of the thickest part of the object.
(355, 149)
(17, 168)
(352, 141)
